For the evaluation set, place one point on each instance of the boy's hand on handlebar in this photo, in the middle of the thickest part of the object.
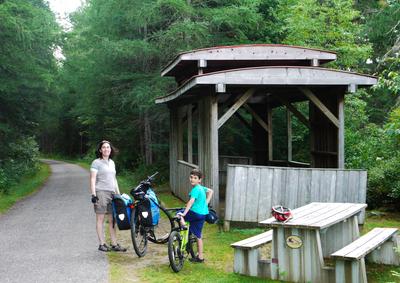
(180, 214)
(94, 199)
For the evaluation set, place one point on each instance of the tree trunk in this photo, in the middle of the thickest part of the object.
(147, 140)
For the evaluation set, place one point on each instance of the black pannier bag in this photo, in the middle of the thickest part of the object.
(144, 213)
(122, 211)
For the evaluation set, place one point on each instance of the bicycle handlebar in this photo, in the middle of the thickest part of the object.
(152, 176)
(143, 185)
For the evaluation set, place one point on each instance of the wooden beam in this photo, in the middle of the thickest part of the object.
(289, 135)
(179, 141)
(341, 132)
(314, 62)
(208, 145)
(295, 112)
(190, 134)
(235, 107)
(270, 145)
(173, 148)
(257, 117)
(314, 99)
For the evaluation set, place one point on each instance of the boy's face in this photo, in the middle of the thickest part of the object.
(194, 180)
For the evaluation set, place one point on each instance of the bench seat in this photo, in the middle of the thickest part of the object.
(378, 244)
(247, 257)
(365, 244)
(254, 242)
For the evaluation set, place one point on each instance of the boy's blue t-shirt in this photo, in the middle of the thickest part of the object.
(199, 206)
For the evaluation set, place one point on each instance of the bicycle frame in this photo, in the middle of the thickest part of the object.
(185, 236)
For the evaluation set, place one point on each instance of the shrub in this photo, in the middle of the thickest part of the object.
(384, 183)
(19, 158)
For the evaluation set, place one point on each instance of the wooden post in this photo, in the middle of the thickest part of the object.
(289, 134)
(270, 144)
(179, 140)
(340, 271)
(208, 145)
(341, 132)
(173, 147)
(190, 135)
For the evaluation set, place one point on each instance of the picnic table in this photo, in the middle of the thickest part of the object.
(301, 245)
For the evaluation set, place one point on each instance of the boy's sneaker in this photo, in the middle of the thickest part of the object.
(118, 248)
(104, 248)
(196, 259)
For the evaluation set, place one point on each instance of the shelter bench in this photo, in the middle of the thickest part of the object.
(247, 255)
(378, 244)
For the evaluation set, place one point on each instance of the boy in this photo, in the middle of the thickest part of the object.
(196, 210)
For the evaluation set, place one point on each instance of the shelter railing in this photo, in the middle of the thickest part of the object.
(252, 190)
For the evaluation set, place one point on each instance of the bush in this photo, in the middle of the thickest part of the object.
(384, 184)
(19, 158)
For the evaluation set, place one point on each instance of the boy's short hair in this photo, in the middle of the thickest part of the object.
(196, 172)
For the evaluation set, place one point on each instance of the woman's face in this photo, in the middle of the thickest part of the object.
(105, 150)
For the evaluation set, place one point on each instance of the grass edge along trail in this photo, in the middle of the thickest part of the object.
(28, 185)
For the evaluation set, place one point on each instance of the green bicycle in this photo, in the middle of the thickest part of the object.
(181, 244)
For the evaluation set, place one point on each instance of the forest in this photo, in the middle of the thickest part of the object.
(105, 84)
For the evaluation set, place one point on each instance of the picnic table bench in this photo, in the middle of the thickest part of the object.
(350, 263)
(302, 245)
(247, 255)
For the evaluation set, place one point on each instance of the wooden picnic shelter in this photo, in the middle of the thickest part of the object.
(213, 83)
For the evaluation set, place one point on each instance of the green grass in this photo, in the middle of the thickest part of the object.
(377, 272)
(25, 187)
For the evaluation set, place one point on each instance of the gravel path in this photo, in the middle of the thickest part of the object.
(50, 236)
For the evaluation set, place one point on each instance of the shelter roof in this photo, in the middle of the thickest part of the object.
(186, 64)
(267, 76)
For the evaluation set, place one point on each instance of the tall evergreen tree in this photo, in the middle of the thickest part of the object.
(28, 35)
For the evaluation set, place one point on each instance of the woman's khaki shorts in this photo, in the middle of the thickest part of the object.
(103, 205)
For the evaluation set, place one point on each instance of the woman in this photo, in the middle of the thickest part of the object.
(103, 185)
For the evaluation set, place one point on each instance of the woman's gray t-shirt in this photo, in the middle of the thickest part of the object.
(105, 178)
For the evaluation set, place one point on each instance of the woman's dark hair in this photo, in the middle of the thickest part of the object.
(196, 172)
(112, 153)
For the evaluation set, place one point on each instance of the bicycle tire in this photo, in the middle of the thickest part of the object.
(138, 235)
(160, 233)
(192, 246)
(175, 254)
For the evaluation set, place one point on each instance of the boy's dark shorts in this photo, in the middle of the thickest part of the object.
(196, 222)
(104, 204)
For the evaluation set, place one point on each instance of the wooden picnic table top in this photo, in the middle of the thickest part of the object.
(317, 215)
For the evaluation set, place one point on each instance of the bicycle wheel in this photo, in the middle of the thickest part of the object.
(159, 234)
(138, 235)
(192, 247)
(175, 254)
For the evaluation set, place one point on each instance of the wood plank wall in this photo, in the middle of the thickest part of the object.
(182, 185)
(251, 191)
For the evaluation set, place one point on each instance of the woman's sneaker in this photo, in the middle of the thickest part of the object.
(118, 248)
(104, 248)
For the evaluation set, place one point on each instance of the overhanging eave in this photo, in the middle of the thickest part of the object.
(273, 76)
